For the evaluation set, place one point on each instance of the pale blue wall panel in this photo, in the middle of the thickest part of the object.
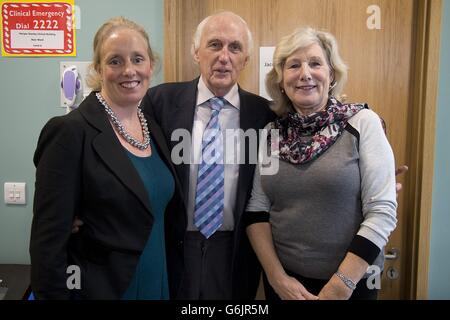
(29, 96)
(439, 268)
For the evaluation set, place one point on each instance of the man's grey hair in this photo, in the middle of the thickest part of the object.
(198, 33)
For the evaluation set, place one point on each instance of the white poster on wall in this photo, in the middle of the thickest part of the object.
(265, 65)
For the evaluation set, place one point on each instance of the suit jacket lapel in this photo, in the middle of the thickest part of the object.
(111, 151)
(183, 118)
(183, 113)
(245, 115)
(246, 169)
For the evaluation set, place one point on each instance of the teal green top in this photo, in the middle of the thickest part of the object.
(150, 279)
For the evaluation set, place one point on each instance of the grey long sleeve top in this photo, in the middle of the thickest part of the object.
(345, 200)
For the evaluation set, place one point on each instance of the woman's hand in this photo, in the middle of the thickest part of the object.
(289, 288)
(76, 224)
(399, 171)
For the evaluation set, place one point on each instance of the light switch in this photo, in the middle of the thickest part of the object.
(15, 193)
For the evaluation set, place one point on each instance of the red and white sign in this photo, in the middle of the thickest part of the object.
(38, 29)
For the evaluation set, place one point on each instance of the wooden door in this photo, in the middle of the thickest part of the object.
(377, 39)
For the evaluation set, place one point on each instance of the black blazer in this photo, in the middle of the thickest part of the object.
(83, 170)
(172, 105)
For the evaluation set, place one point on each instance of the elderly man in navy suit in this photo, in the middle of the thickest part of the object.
(218, 260)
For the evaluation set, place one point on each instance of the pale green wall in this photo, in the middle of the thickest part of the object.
(29, 96)
(439, 272)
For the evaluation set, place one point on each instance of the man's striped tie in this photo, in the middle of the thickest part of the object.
(208, 216)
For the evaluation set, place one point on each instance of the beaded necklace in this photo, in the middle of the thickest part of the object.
(121, 129)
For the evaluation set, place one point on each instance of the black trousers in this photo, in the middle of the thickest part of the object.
(207, 274)
(362, 292)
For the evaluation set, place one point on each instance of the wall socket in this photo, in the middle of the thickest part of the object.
(15, 193)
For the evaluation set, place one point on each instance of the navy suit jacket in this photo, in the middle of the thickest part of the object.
(172, 105)
(83, 170)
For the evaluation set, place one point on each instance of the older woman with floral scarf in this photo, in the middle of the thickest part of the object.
(326, 215)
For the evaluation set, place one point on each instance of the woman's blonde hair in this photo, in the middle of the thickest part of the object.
(299, 39)
(93, 78)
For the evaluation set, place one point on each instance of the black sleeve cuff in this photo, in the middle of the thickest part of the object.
(251, 217)
(365, 249)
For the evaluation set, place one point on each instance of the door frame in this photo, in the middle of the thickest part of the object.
(419, 186)
(424, 88)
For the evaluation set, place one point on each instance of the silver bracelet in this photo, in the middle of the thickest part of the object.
(347, 281)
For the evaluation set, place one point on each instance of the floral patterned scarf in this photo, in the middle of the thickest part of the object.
(305, 138)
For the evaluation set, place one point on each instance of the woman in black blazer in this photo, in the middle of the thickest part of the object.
(105, 163)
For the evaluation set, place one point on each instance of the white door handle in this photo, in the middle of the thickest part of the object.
(392, 254)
